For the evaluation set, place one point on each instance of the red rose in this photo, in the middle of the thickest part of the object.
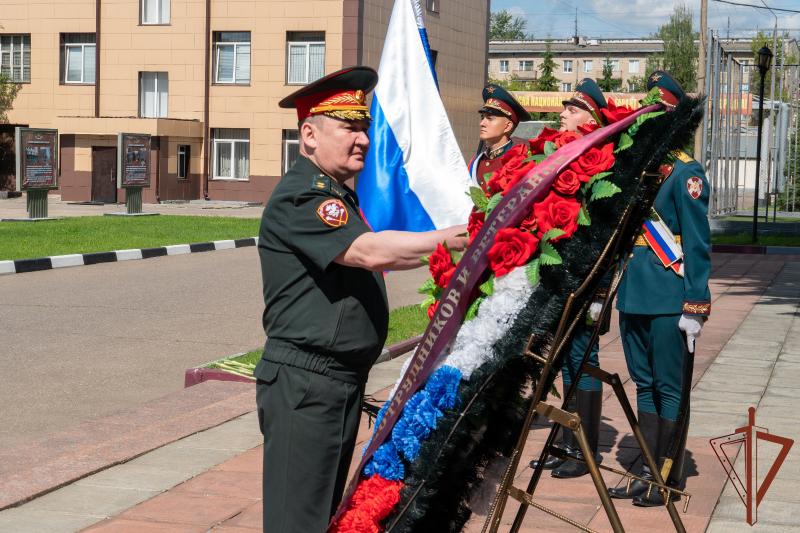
(568, 182)
(529, 223)
(594, 161)
(439, 263)
(557, 212)
(566, 138)
(511, 248)
(432, 309)
(588, 128)
(475, 223)
(513, 169)
(537, 144)
(446, 276)
(613, 113)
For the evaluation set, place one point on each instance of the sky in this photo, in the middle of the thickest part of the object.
(639, 18)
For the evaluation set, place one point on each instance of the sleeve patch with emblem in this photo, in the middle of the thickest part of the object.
(694, 186)
(333, 213)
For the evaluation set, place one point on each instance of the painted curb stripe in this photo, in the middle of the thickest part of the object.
(147, 253)
(32, 265)
(128, 255)
(224, 245)
(63, 261)
(202, 247)
(99, 257)
(178, 249)
(241, 243)
(7, 267)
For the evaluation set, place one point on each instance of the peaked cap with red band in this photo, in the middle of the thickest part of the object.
(670, 90)
(589, 97)
(500, 102)
(342, 95)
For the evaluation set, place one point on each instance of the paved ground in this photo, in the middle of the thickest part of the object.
(749, 355)
(84, 342)
(15, 208)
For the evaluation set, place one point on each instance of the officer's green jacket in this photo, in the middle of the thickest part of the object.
(648, 288)
(319, 314)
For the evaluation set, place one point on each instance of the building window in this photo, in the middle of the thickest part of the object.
(155, 11)
(232, 56)
(432, 5)
(588, 65)
(745, 87)
(291, 149)
(153, 94)
(614, 65)
(633, 66)
(504, 65)
(567, 65)
(526, 65)
(566, 87)
(231, 153)
(77, 57)
(184, 155)
(15, 57)
(305, 57)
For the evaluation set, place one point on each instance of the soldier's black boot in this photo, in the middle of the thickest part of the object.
(590, 405)
(552, 461)
(648, 424)
(675, 478)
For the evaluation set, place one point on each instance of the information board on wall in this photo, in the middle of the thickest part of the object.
(37, 158)
(133, 167)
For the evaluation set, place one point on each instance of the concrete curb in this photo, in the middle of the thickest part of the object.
(755, 249)
(19, 266)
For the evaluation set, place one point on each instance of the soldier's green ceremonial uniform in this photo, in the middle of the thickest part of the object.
(657, 301)
(326, 325)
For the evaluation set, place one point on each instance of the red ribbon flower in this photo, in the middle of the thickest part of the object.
(594, 161)
(475, 223)
(511, 248)
(372, 501)
(441, 266)
(614, 113)
(555, 211)
(537, 144)
(513, 169)
(566, 138)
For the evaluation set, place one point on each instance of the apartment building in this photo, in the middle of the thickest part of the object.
(204, 78)
(580, 58)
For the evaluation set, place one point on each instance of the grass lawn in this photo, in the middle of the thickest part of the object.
(763, 240)
(24, 240)
(740, 218)
(404, 323)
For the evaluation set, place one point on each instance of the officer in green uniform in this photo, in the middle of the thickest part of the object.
(326, 311)
(581, 112)
(500, 116)
(663, 307)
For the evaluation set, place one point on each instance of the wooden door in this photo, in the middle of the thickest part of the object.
(104, 174)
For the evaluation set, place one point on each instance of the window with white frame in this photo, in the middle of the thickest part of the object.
(15, 57)
(184, 156)
(232, 57)
(633, 66)
(231, 153)
(567, 65)
(614, 65)
(588, 65)
(78, 57)
(432, 5)
(305, 61)
(154, 11)
(525, 65)
(504, 65)
(153, 94)
(291, 149)
(566, 87)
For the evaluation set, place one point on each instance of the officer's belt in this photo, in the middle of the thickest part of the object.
(286, 353)
(641, 241)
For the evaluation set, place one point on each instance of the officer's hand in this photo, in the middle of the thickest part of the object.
(594, 310)
(691, 325)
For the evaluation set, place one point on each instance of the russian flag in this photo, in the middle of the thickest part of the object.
(414, 176)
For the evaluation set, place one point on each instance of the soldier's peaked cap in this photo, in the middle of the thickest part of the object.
(671, 91)
(589, 97)
(498, 101)
(341, 95)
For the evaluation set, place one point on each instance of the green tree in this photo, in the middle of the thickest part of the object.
(790, 196)
(637, 84)
(679, 57)
(503, 26)
(513, 83)
(8, 91)
(547, 81)
(608, 82)
(762, 39)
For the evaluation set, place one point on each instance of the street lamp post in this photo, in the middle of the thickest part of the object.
(764, 61)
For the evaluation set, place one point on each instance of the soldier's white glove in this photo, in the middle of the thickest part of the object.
(594, 310)
(691, 325)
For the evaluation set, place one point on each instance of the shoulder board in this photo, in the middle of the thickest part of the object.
(321, 182)
(683, 156)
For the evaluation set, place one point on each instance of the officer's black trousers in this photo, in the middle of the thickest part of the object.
(309, 422)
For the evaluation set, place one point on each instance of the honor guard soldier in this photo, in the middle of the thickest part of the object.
(326, 312)
(581, 110)
(500, 116)
(663, 302)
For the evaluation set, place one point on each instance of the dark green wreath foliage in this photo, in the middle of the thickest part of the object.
(437, 489)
